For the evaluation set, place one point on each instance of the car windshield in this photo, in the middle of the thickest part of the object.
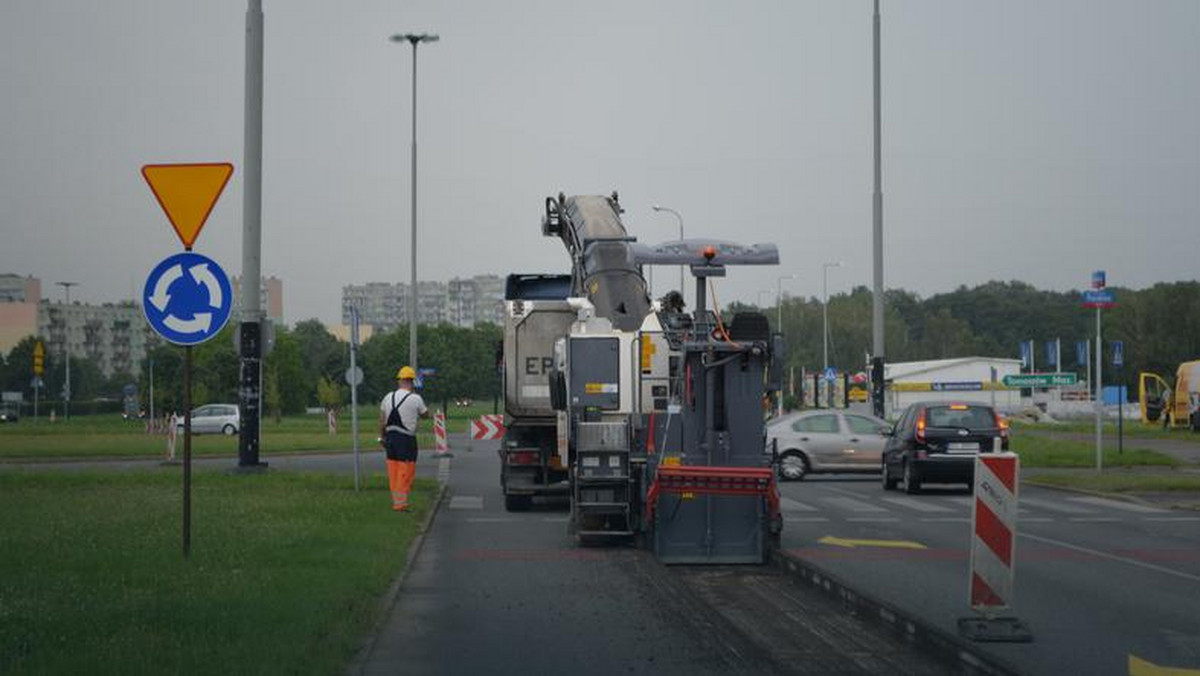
(970, 417)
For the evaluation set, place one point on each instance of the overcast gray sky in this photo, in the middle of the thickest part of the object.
(1033, 140)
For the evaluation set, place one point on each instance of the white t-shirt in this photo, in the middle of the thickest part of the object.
(412, 408)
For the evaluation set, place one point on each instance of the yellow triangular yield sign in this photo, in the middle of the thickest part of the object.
(187, 193)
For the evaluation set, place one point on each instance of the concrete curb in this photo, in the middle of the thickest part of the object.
(912, 629)
(388, 600)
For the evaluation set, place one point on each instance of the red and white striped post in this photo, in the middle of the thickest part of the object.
(442, 447)
(993, 550)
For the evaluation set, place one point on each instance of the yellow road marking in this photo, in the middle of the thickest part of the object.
(846, 542)
(1140, 667)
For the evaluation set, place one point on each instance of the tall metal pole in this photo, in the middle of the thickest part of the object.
(412, 306)
(414, 39)
(877, 241)
(354, 395)
(67, 348)
(1099, 396)
(187, 450)
(250, 343)
(825, 306)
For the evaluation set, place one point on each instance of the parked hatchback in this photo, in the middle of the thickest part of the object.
(214, 419)
(827, 441)
(936, 442)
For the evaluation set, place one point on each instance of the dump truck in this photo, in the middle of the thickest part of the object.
(1174, 407)
(536, 314)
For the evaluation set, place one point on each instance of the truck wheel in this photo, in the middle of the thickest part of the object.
(517, 503)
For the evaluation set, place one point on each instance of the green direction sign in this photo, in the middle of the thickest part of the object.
(1041, 380)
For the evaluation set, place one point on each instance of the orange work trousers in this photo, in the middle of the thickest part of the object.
(400, 479)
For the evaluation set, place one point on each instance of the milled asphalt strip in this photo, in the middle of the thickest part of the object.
(892, 617)
(359, 662)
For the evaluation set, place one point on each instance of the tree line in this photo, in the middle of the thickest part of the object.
(306, 368)
(1159, 325)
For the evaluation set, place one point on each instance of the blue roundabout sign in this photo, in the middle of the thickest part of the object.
(187, 298)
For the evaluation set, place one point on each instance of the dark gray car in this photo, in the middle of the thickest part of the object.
(829, 441)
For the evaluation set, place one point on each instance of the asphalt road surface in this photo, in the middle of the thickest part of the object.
(1099, 581)
(499, 592)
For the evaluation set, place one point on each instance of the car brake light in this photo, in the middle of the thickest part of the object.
(1002, 423)
(522, 458)
(958, 407)
(921, 427)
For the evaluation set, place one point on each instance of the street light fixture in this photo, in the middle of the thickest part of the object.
(67, 349)
(414, 39)
(825, 305)
(679, 217)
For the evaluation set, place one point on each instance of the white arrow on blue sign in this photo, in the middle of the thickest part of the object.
(187, 298)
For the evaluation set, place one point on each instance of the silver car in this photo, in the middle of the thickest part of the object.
(214, 419)
(827, 441)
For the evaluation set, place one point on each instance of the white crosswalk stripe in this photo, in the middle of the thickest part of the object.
(1056, 506)
(853, 505)
(466, 502)
(790, 505)
(1118, 504)
(915, 504)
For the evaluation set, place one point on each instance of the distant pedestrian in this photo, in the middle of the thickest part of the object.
(398, 415)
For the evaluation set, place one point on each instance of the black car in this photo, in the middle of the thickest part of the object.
(936, 442)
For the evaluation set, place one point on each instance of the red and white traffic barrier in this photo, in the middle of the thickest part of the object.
(488, 426)
(994, 528)
(439, 433)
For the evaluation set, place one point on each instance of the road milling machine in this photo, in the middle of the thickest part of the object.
(655, 426)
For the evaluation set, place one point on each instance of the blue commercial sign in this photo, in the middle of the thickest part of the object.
(1098, 279)
(1118, 353)
(1026, 353)
(1081, 351)
(187, 298)
(964, 386)
(1052, 353)
(1099, 298)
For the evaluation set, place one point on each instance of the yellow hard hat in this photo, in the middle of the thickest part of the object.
(406, 373)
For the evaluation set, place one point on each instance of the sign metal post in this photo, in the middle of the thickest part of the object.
(195, 313)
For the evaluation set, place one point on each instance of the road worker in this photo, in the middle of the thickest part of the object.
(398, 415)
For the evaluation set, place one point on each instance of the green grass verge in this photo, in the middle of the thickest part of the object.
(285, 574)
(109, 436)
(1133, 429)
(1036, 451)
(1121, 482)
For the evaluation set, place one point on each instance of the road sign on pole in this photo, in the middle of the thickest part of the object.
(1041, 380)
(187, 298)
(187, 193)
(39, 358)
(1118, 348)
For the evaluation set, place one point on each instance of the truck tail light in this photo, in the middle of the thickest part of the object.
(522, 457)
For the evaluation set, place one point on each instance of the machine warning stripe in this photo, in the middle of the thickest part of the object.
(993, 532)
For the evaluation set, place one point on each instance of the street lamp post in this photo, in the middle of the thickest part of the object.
(67, 349)
(414, 39)
(779, 301)
(679, 217)
(825, 306)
